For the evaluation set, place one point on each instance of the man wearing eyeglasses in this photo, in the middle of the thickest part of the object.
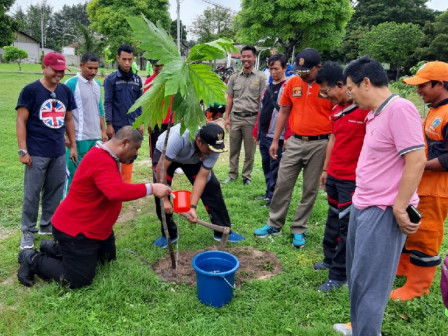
(309, 117)
(43, 117)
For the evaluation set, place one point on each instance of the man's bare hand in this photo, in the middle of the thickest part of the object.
(227, 123)
(323, 180)
(160, 190)
(273, 150)
(104, 136)
(192, 216)
(110, 131)
(74, 155)
(167, 206)
(26, 159)
(404, 223)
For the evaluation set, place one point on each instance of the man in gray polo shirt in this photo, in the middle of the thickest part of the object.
(89, 114)
(196, 158)
(243, 102)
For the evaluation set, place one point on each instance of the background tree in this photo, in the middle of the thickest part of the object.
(88, 41)
(8, 25)
(288, 23)
(373, 12)
(435, 43)
(14, 54)
(109, 18)
(183, 31)
(64, 25)
(392, 43)
(214, 23)
(30, 22)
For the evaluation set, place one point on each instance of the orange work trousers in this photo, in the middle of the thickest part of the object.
(126, 172)
(428, 239)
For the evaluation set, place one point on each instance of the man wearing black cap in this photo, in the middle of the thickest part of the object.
(196, 158)
(309, 117)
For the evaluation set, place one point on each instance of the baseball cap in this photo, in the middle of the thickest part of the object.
(213, 135)
(437, 71)
(306, 59)
(55, 60)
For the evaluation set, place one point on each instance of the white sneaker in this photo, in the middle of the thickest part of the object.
(343, 328)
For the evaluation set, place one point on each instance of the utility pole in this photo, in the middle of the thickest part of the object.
(178, 25)
(42, 25)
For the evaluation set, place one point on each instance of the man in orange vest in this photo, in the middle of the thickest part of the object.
(420, 257)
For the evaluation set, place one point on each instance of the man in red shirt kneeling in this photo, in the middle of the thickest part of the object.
(83, 222)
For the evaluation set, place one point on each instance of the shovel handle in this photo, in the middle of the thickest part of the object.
(223, 229)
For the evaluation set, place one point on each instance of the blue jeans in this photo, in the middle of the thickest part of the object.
(270, 166)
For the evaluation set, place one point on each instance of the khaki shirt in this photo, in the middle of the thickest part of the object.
(246, 90)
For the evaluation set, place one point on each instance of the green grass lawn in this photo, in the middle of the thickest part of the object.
(128, 298)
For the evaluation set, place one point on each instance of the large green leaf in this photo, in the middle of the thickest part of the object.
(183, 82)
(154, 40)
(212, 50)
(209, 87)
(152, 103)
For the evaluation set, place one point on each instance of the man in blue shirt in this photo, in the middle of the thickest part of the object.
(121, 89)
(43, 117)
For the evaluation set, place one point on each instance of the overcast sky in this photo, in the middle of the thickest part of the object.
(189, 9)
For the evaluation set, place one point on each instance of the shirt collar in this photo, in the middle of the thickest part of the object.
(243, 73)
(440, 103)
(100, 144)
(385, 103)
(80, 77)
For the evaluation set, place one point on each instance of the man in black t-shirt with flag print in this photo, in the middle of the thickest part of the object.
(43, 117)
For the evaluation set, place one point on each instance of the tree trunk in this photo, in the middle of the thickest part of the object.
(162, 175)
(397, 77)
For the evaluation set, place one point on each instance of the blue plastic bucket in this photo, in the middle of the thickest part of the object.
(215, 275)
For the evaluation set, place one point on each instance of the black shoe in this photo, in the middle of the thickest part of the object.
(50, 249)
(228, 180)
(247, 182)
(24, 274)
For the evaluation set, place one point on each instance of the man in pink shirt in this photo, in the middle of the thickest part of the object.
(389, 169)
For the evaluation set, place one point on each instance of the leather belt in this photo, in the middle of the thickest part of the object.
(245, 114)
(311, 137)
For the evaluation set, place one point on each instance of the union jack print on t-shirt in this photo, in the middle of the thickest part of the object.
(52, 113)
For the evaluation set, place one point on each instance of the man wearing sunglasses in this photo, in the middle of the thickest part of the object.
(309, 117)
(43, 117)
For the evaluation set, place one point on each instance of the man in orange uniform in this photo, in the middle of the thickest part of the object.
(308, 112)
(420, 256)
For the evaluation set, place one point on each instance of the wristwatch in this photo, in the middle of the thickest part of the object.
(22, 152)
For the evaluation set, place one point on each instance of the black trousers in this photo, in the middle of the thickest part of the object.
(154, 135)
(211, 197)
(339, 195)
(269, 165)
(75, 259)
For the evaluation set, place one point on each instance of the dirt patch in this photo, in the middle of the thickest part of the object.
(132, 209)
(254, 265)
(5, 233)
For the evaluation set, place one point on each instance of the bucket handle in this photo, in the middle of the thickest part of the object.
(231, 286)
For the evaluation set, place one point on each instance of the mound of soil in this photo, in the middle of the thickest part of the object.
(254, 265)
